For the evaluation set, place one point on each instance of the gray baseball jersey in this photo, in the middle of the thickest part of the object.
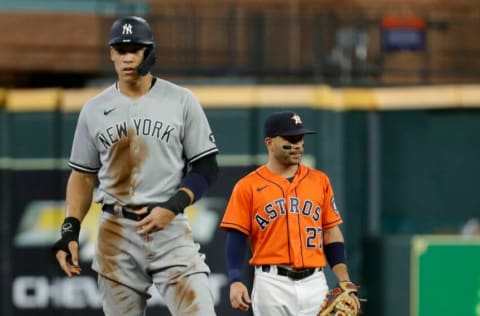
(140, 147)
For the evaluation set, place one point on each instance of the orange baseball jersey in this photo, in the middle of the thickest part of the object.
(284, 220)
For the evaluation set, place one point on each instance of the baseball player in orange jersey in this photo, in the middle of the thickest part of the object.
(288, 212)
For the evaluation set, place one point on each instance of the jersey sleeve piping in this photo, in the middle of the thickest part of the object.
(228, 225)
(333, 224)
(82, 168)
(203, 154)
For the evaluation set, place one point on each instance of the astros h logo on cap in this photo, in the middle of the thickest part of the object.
(285, 123)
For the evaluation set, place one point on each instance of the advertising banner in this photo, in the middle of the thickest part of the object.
(403, 34)
(37, 286)
(430, 255)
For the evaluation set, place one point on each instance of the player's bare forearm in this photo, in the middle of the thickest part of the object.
(79, 197)
(79, 194)
(341, 272)
(333, 234)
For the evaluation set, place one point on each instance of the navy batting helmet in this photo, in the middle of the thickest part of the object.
(134, 29)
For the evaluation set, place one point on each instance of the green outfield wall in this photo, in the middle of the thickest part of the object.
(433, 290)
(402, 161)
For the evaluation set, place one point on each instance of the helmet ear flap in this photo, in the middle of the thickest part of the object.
(148, 61)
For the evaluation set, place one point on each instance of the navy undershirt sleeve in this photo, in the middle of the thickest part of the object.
(235, 250)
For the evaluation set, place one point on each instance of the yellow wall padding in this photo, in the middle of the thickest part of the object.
(327, 98)
(2, 97)
(359, 99)
(225, 96)
(315, 96)
(298, 95)
(405, 98)
(72, 100)
(339, 99)
(253, 96)
(20, 100)
(469, 95)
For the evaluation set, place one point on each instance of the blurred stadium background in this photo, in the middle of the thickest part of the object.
(393, 86)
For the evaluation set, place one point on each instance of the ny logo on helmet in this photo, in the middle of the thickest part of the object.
(127, 29)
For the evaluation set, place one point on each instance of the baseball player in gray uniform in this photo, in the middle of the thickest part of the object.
(149, 144)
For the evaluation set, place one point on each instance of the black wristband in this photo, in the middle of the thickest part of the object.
(177, 203)
(70, 232)
(335, 253)
(70, 228)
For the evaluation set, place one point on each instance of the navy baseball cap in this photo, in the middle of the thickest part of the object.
(285, 123)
